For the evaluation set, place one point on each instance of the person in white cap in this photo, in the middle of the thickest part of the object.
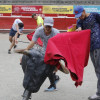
(45, 32)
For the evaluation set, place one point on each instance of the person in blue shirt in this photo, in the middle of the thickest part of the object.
(91, 21)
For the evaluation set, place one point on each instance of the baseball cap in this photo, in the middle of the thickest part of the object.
(48, 21)
(78, 11)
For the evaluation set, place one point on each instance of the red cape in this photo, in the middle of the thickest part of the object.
(39, 42)
(73, 48)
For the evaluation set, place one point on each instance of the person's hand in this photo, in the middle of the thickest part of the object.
(16, 41)
(79, 29)
(21, 33)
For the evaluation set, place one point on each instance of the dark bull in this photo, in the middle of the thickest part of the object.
(35, 70)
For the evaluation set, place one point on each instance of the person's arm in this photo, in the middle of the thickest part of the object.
(97, 17)
(17, 28)
(78, 29)
(34, 39)
(16, 35)
(25, 51)
(79, 25)
(30, 45)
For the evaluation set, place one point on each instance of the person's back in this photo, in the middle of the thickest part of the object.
(17, 21)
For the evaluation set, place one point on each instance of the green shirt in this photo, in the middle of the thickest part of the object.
(39, 20)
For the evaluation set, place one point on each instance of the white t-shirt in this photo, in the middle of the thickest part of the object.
(16, 22)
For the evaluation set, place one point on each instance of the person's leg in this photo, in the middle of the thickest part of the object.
(57, 78)
(52, 79)
(10, 38)
(52, 86)
(12, 43)
(95, 57)
(97, 69)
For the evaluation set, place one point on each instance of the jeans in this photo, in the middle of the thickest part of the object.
(95, 57)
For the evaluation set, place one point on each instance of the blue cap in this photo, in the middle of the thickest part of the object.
(78, 11)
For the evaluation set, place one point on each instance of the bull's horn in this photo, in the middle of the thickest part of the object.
(22, 51)
(26, 53)
(64, 69)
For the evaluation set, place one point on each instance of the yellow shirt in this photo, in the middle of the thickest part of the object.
(39, 20)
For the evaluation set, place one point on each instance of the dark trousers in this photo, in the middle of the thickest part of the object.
(95, 57)
(52, 78)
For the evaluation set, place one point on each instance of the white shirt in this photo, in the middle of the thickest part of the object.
(16, 22)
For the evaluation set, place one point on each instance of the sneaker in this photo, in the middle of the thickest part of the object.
(94, 97)
(9, 51)
(15, 46)
(50, 89)
(64, 69)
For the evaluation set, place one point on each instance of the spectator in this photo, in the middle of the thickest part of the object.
(91, 21)
(38, 19)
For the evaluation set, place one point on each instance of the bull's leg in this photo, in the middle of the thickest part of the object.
(26, 95)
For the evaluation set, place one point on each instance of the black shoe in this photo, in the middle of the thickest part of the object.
(15, 46)
(9, 51)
